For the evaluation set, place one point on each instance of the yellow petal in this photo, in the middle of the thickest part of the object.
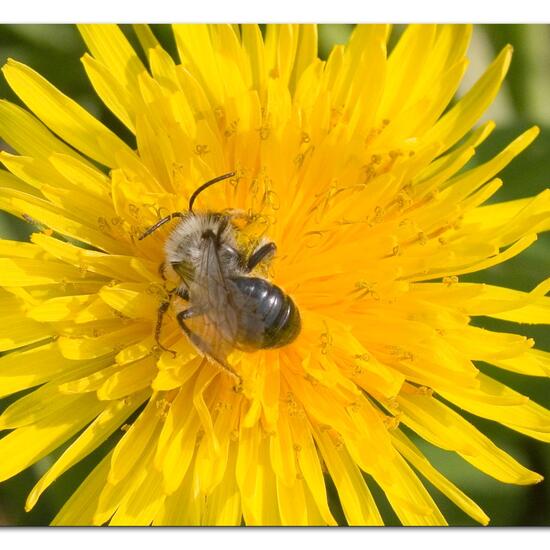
(443, 427)
(146, 37)
(19, 371)
(184, 506)
(534, 362)
(111, 91)
(58, 219)
(417, 459)
(25, 446)
(404, 65)
(282, 454)
(292, 503)
(357, 502)
(116, 496)
(196, 52)
(107, 265)
(254, 49)
(164, 70)
(134, 300)
(91, 347)
(223, 505)
(176, 446)
(310, 466)
(91, 382)
(18, 330)
(131, 446)
(80, 507)
(109, 46)
(128, 380)
(63, 115)
(256, 479)
(97, 432)
(495, 401)
(80, 308)
(454, 124)
(142, 501)
(27, 135)
(306, 52)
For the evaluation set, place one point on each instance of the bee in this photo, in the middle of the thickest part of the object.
(236, 309)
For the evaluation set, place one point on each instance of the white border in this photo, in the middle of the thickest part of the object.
(244, 11)
(271, 538)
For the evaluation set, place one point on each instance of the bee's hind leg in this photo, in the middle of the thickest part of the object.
(182, 316)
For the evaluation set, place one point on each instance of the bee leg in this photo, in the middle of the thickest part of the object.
(260, 254)
(161, 311)
(162, 270)
(160, 223)
(182, 316)
(183, 293)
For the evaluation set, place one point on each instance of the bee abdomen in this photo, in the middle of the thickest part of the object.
(270, 319)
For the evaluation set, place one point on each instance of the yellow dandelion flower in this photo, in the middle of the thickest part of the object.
(355, 169)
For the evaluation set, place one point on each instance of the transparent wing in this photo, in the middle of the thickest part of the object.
(217, 305)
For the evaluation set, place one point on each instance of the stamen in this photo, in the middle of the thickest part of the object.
(103, 225)
(325, 340)
(392, 422)
(449, 281)
(201, 149)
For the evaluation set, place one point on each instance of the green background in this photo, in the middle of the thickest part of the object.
(55, 51)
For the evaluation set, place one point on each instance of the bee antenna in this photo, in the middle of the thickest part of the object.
(205, 185)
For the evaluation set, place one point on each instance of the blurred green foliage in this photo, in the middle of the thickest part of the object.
(54, 51)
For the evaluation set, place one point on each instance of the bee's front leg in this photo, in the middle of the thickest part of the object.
(262, 253)
(163, 308)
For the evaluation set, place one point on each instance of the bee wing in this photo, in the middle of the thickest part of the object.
(214, 297)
